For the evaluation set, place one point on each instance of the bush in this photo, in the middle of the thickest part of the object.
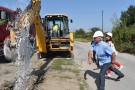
(127, 47)
(124, 38)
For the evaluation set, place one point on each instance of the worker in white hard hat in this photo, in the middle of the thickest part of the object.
(111, 44)
(106, 57)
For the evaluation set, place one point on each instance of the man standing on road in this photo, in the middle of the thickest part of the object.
(106, 57)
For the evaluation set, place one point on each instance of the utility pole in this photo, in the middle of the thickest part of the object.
(102, 20)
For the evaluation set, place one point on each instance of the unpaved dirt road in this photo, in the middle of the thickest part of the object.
(127, 60)
(7, 70)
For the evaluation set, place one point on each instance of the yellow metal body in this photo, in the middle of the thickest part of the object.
(32, 15)
(57, 15)
(69, 41)
(40, 36)
(33, 12)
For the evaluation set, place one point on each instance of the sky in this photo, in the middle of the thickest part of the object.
(84, 13)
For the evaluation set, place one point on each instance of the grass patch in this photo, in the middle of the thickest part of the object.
(68, 62)
(82, 83)
(76, 72)
(63, 77)
(57, 65)
(34, 69)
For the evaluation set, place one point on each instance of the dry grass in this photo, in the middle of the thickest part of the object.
(58, 64)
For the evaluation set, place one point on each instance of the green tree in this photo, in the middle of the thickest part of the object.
(123, 35)
(128, 16)
(79, 31)
(93, 30)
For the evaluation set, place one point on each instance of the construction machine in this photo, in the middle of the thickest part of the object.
(37, 38)
(6, 15)
(61, 40)
(40, 34)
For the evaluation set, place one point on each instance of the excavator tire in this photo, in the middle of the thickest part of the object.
(43, 55)
(71, 55)
(38, 55)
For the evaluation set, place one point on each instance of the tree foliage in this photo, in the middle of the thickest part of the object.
(80, 33)
(124, 31)
(128, 16)
(94, 29)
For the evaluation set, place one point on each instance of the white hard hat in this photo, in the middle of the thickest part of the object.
(109, 34)
(98, 34)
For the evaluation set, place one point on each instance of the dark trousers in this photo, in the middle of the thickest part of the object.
(102, 73)
(94, 56)
(95, 60)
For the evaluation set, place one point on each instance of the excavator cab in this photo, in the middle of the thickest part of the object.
(61, 20)
(58, 35)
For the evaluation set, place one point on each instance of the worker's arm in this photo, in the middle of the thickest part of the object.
(90, 56)
(90, 61)
(113, 59)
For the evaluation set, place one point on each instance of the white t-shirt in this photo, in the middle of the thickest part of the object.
(112, 46)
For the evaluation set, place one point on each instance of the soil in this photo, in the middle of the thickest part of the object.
(48, 79)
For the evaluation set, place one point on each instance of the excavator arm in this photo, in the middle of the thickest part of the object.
(30, 15)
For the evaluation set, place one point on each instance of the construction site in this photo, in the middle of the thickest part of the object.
(28, 46)
(42, 52)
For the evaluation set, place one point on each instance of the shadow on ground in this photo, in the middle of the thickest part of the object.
(114, 79)
(43, 69)
(96, 77)
(40, 73)
(3, 60)
(92, 74)
(58, 54)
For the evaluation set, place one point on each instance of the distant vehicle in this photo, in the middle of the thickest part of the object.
(42, 37)
(5, 16)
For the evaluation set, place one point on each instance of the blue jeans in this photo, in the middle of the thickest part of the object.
(102, 73)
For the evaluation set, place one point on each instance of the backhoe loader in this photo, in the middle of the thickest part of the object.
(40, 34)
(37, 38)
(61, 40)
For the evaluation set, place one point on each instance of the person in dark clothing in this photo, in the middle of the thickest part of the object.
(95, 60)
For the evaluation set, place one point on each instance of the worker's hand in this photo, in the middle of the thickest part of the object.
(112, 65)
(89, 60)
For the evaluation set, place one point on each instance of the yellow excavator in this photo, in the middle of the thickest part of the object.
(40, 36)
(37, 32)
(61, 40)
